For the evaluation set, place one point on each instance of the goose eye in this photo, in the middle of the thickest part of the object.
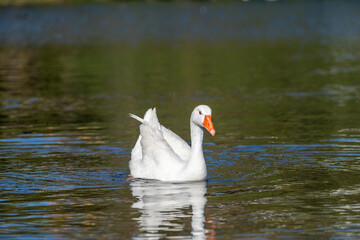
(200, 112)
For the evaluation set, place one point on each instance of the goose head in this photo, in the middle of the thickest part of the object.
(201, 116)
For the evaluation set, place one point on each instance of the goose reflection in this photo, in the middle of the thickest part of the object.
(165, 208)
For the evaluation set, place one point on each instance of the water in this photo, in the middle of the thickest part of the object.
(282, 79)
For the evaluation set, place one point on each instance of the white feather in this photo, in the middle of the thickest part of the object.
(136, 117)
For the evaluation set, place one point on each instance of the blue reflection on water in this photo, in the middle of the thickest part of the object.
(44, 145)
(133, 23)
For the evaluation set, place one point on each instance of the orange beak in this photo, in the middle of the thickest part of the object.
(208, 124)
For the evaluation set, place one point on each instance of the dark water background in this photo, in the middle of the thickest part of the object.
(282, 78)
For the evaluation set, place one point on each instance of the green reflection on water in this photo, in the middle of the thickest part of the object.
(257, 87)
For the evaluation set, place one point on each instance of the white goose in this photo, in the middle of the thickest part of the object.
(161, 154)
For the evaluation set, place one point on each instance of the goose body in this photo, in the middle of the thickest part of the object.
(161, 154)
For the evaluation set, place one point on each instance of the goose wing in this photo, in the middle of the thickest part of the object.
(179, 146)
(152, 152)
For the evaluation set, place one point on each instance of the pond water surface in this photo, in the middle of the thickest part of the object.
(282, 79)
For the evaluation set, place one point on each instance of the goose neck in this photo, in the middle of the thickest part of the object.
(196, 167)
(197, 135)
